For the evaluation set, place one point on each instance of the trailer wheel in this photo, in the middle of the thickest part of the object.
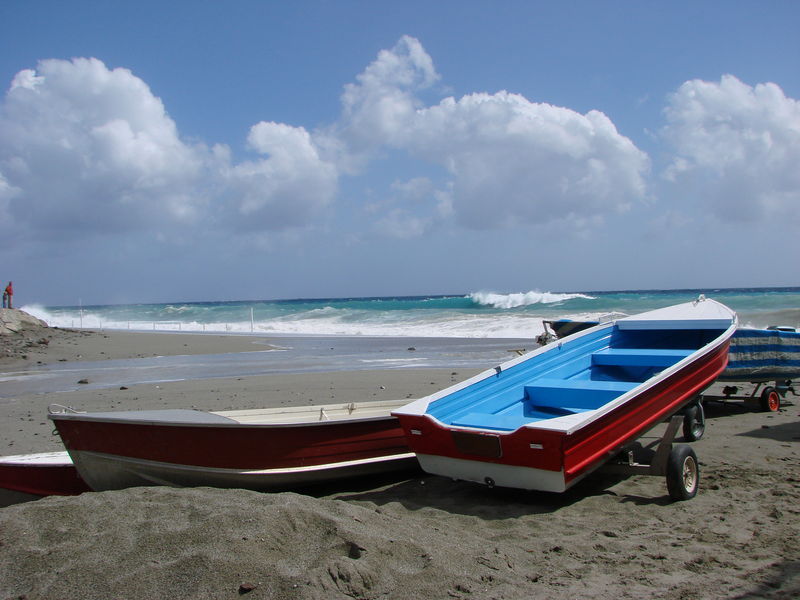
(694, 422)
(683, 473)
(770, 399)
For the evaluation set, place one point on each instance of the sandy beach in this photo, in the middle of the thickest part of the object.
(406, 536)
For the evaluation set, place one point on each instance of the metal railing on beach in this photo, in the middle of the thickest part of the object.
(85, 322)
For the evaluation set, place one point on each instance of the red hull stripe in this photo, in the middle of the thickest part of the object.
(606, 436)
(245, 447)
(42, 481)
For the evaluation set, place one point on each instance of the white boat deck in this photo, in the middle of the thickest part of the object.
(313, 414)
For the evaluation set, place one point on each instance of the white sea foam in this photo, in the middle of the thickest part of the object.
(38, 311)
(492, 320)
(521, 299)
(325, 321)
(176, 309)
(468, 326)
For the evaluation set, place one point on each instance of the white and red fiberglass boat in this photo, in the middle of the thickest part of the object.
(548, 418)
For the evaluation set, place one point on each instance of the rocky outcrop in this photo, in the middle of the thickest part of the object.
(13, 320)
(21, 334)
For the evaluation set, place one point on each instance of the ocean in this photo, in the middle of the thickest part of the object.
(473, 315)
(469, 331)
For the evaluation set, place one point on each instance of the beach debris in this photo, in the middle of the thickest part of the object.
(83, 381)
(246, 588)
(730, 390)
(354, 550)
(609, 533)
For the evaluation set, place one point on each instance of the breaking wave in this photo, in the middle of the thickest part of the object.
(522, 299)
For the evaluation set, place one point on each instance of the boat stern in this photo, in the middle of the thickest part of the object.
(494, 474)
(526, 458)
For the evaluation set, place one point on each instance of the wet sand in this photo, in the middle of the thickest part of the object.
(411, 536)
(50, 345)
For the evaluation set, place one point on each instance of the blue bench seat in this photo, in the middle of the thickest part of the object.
(510, 422)
(548, 399)
(489, 421)
(639, 357)
(575, 394)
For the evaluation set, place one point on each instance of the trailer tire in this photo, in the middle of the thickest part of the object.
(694, 422)
(770, 399)
(683, 473)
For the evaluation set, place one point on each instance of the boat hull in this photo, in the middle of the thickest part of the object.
(113, 472)
(44, 474)
(541, 459)
(115, 452)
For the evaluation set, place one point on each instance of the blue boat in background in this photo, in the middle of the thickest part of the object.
(762, 356)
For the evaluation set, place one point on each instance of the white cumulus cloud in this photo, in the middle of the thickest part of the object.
(514, 160)
(85, 146)
(289, 186)
(377, 106)
(509, 160)
(737, 148)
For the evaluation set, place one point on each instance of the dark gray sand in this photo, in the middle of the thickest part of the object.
(412, 536)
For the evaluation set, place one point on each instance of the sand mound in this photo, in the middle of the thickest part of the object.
(422, 538)
(204, 543)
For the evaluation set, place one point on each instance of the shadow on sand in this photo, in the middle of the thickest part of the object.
(781, 580)
(472, 499)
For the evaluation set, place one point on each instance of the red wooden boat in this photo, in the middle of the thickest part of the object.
(254, 449)
(42, 474)
(550, 417)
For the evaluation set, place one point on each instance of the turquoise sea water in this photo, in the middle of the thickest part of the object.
(475, 315)
(342, 334)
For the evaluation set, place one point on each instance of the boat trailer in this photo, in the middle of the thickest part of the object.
(678, 463)
(768, 396)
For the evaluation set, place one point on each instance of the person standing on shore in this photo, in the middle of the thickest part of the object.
(7, 294)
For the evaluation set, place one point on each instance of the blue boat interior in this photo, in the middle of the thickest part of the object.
(571, 377)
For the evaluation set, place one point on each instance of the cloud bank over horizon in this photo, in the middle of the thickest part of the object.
(89, 150)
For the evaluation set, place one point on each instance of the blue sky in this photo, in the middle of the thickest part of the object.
(157, 151)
